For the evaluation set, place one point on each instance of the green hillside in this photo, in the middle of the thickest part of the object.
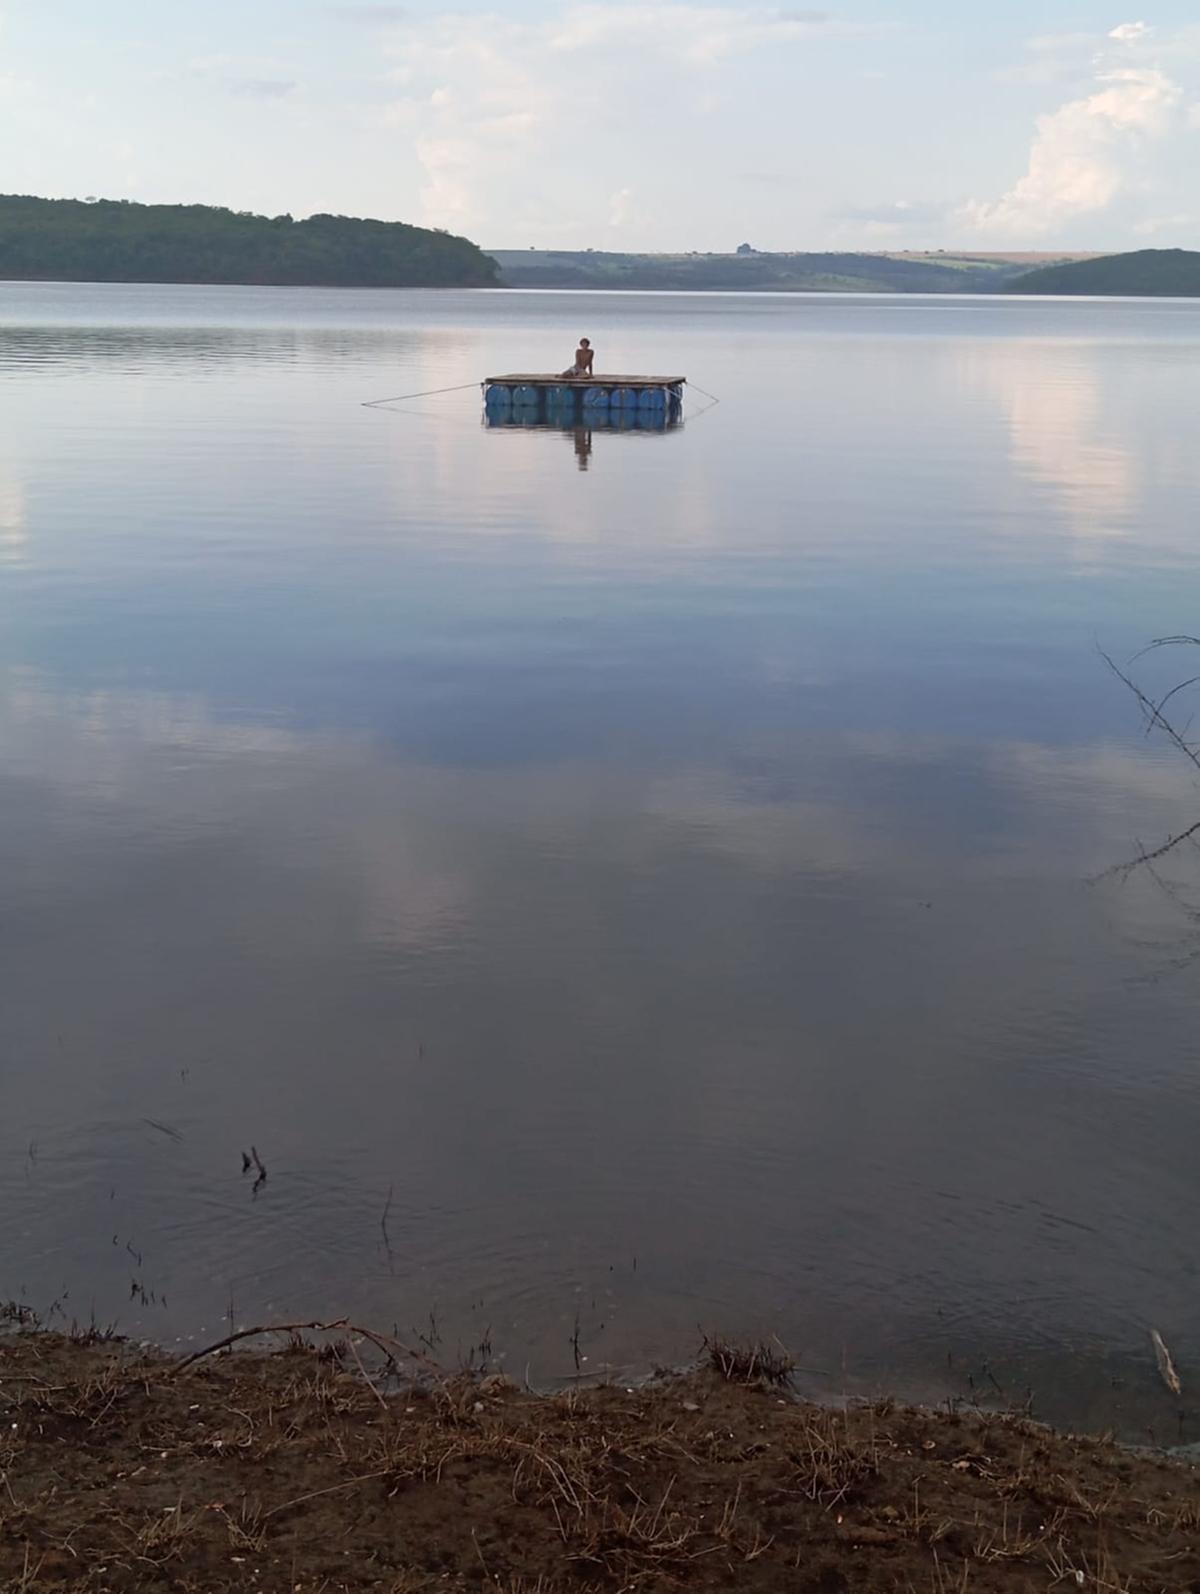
(754, 271)
(70, 240)
(1165, 272)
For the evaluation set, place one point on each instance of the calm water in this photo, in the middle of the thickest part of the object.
(670, 884)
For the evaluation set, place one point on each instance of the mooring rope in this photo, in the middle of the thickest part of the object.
(707, 395)
(432, 392)
(374, 404)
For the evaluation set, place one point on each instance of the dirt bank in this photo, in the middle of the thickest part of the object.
(120, 1470)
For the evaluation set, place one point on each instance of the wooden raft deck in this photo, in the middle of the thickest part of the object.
(600, 379)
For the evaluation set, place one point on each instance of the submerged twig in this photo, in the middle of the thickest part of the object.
(387, 1207)
(1155, 717)
(1152, 711)
(1166, 1366)
(163, 1129)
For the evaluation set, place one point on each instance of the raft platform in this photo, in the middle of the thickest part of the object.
(543, 394)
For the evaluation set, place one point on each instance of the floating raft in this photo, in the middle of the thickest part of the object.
(540, 395)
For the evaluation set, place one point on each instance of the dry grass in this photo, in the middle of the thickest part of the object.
(749, 1362)
(291, 1471)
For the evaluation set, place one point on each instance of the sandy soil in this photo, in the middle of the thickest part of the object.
(123, 1470)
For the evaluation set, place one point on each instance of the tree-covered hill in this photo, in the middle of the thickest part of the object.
(69, 240)
(1162, 272)
(758, 272)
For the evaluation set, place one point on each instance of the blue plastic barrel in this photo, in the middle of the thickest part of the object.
(596, 397)
(498, 396)
(625, 397)
(652, 398)
(526, 394)
(560, 398)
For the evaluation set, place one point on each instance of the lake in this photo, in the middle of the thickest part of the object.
(623, 886)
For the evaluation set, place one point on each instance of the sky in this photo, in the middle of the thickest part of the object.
(653, 124)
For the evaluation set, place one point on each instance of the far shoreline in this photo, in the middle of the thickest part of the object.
(925, 297)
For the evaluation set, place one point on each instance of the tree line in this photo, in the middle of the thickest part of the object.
(70, 240)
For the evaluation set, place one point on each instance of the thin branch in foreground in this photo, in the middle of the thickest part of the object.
(1166, 642)
(384, 1342)
(1144, 857)
(1151, 710)
(1163, 701)
(1155, 717)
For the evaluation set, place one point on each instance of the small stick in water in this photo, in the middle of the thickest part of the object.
(163, 1129)
(387, 1239)
(262, 1172)
(1165, 1365)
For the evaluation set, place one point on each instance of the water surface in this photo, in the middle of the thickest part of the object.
(642, 881)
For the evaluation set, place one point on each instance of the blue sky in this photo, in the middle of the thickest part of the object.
(652, 125)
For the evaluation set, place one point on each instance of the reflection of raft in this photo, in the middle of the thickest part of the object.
(548, 419)
(557, 398)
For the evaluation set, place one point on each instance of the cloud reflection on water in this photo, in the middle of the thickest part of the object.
(777, 931)
(687, 858)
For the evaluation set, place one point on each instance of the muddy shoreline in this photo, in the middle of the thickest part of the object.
(295, 1466)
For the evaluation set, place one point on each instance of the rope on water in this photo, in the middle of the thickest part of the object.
(690, 415)
(375, 404)
(432, 392)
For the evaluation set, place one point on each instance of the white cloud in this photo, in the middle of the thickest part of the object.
(450, 164)
(248, 77)
(618, 207)
(1154, 226)
(1106, 154)
(263, 88)
(475, 99)
(491, 98)
(897, 213)
(1080, 156)
(1051, 58)
(696, 34)
(368, 16)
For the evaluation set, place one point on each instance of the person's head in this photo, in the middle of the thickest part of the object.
(584, 344)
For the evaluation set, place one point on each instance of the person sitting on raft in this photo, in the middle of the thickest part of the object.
(584, 355)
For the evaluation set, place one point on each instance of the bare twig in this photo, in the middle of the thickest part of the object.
(333, 1488)
(1166, 1366)
(1155, 717)
(385, 1342)
(366, 1376)
(387, 1207)
(1152, 712)
(1166, 642)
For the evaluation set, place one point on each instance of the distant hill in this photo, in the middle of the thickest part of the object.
(69, 240)
(756, 272)
(1165, 272)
